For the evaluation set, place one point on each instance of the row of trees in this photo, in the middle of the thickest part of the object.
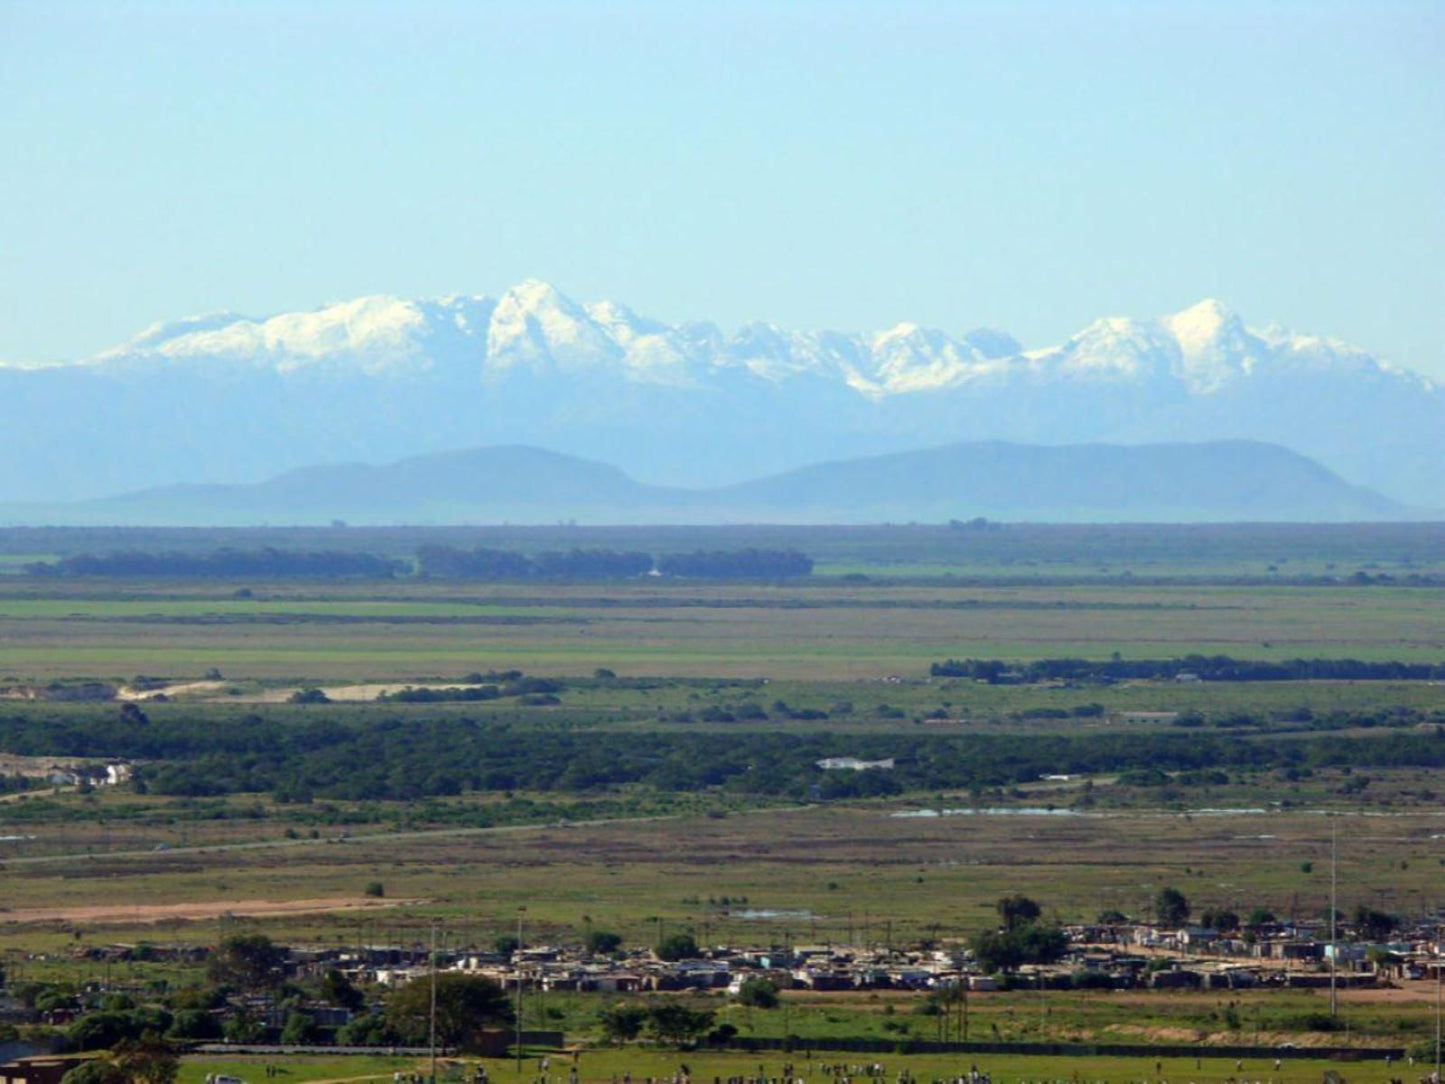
(748, 564)
(447, 562)
(442, 562)
(518, 686)
(222, 564)
(1207, 668)
(358, 757)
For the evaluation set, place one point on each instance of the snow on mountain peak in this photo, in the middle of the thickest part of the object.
(1196, 327)
(535, 328)
(909, 358)
(534, 323)
(1214, 347)
(377, 333)
(163, 330)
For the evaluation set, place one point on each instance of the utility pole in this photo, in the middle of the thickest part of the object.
(963, 1012)
(517, 975)
(1437, 1011)
(1334, 913)
(433, 959)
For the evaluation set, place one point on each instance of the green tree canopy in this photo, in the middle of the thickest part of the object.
(249, 961)
(338, 989)
(623, 1021)
(99, 1071)
(1026, 943)
(1373, 925)
(195, 1024)
(759, 993)
(300, 1028)
(1017, 909)
(147, 1060)
(1171, 907)
(677, 1022)
(368, 1029)
(244, 1027)
(465, 1005)
(102, 1030)
(1259, 916)
(1221, 919)
(677, 946)
(603, 942)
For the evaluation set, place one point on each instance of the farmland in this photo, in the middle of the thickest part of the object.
(649, 747)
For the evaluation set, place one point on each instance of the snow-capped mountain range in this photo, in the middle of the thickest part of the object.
(225, 398)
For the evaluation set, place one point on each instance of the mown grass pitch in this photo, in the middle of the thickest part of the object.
(606, 1066)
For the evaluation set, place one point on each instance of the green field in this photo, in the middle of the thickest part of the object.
(607, 1065)
(777, 674)
(366, 632)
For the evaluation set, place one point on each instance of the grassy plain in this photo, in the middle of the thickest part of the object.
(738, 868)
(814, 632)
(807, 874)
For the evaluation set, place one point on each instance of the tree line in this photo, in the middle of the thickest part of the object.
(434, 561)
(736, 564)
(448, 562)
(1205, 667)
(222, 564)
(340, 756)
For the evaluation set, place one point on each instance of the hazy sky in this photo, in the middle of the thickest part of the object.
(1029, 166)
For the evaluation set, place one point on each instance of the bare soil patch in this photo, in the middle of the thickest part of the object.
(347, 693)
(141, 914)
(170, 692)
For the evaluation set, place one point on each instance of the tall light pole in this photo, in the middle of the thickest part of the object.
(1334, 912)
(433, 1003)
(517, 974)
(1437, 1009)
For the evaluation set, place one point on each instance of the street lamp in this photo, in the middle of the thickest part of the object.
(433, 961)
(517, 975)
(1437, 1007)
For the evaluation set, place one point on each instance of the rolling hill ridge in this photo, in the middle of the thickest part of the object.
(1228, 480)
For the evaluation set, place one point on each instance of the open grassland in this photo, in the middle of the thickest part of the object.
(807, 875)
(260, 831)
(814, 632)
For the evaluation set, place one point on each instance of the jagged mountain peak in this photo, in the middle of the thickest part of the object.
(383, 375)
(1204, 322)
(535, 328)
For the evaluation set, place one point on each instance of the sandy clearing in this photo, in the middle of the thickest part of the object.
(180, 688)
(144, 913)
(1403, 990)
(350, 692)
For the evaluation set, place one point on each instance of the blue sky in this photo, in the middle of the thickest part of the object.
(1029, 166)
